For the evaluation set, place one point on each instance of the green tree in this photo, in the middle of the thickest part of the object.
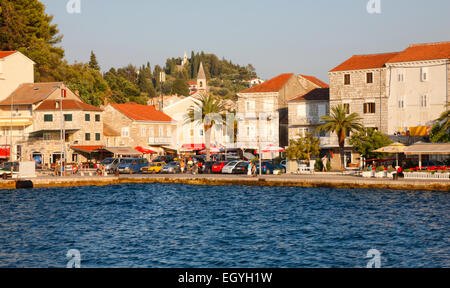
(93, 63)
(207, 113)
(368, 140)
(180, 87)
(441, 130)
(342, 124)
(24, 26)
(303, 148)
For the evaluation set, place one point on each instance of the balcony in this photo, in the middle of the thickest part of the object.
(331, 142)
(159, 141)
(305, 121)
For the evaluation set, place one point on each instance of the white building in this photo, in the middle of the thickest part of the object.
(15, 69)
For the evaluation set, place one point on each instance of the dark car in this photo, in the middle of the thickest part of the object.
(269, 167)
(241, 168)
(132, 165)
(165, 159)
(207, 167)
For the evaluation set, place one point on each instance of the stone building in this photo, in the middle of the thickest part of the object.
(305, 112)
(139, 126)
(261, 109)
(37, 123)
(419, 81)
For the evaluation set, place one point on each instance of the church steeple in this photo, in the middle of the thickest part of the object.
(185, 59)
(201, 79)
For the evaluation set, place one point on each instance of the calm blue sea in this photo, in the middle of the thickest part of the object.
(154, 225)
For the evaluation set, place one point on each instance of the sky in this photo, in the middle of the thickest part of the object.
(284, 36)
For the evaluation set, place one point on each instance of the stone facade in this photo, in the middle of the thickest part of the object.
(360, 93)
(138, 133)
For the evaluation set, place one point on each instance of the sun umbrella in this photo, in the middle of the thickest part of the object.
(144, 150)
(394, 148)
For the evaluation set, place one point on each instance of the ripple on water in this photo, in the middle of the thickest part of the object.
(154, 225)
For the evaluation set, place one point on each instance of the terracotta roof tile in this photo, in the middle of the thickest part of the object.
(4, 54)
(362, 62)
(318, 94)
(139, 112)
(30, 93)
(272, 85)
(316, 81)
(429, 51)
(50, 105)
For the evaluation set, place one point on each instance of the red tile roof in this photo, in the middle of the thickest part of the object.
(316, 81)
(429, 51)
(319, 94)
(272, 85)
(192, 83)
(139, 112)
(362, 62)
(50, 105)
(4, 54)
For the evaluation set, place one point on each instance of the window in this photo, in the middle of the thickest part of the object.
(424, 74)
(400, 76)
(169, 131)
(143, 131)
(200, 132)
(347, 79)
(369, 108)
(151, 132)
(68, 117)
(369, 78)
(423, 101)
(322, 110)
(97, 118)
(48, 118)
(347, 108)
(401, 103)
(250, 106)
(87, 137)
(161, 132)
(87, 117)
(125, 132)
(47, 136)
(97, 136)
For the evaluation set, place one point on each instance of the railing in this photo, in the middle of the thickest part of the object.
(425, 175)
(332, 141)
(306, 121)
(159, 141)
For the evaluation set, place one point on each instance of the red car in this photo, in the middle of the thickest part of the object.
(218, 166)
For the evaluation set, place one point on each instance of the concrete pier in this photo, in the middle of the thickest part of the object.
(317, 180)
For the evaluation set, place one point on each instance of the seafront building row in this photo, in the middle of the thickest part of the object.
(399, 93)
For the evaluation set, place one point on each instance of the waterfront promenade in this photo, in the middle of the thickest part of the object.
(327, 180)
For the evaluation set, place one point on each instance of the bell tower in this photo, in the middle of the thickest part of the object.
(201, 79)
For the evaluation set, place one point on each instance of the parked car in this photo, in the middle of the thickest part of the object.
(153, 168)
(218, 166)
(207, 167)
(241, 168)
(132, 165)
(171, 168)
(228, 169)
(111, 164)
(166, 159)
(268, 167)
(6, 167)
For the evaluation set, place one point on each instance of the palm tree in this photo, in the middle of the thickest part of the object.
(444, 119)
(341, 124)
(207, 113)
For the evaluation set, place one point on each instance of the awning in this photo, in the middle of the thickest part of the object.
(41, 132)
(144, 150)
(5, 152)
(123, 151)
(193, 147)
(87, 149)
(428, 149)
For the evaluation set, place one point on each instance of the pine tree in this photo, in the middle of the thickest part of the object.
(93, 63)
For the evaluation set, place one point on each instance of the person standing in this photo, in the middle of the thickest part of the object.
(182, 166)
(249, 169)
(325, 163)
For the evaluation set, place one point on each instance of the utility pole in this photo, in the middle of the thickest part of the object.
(63, 136)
